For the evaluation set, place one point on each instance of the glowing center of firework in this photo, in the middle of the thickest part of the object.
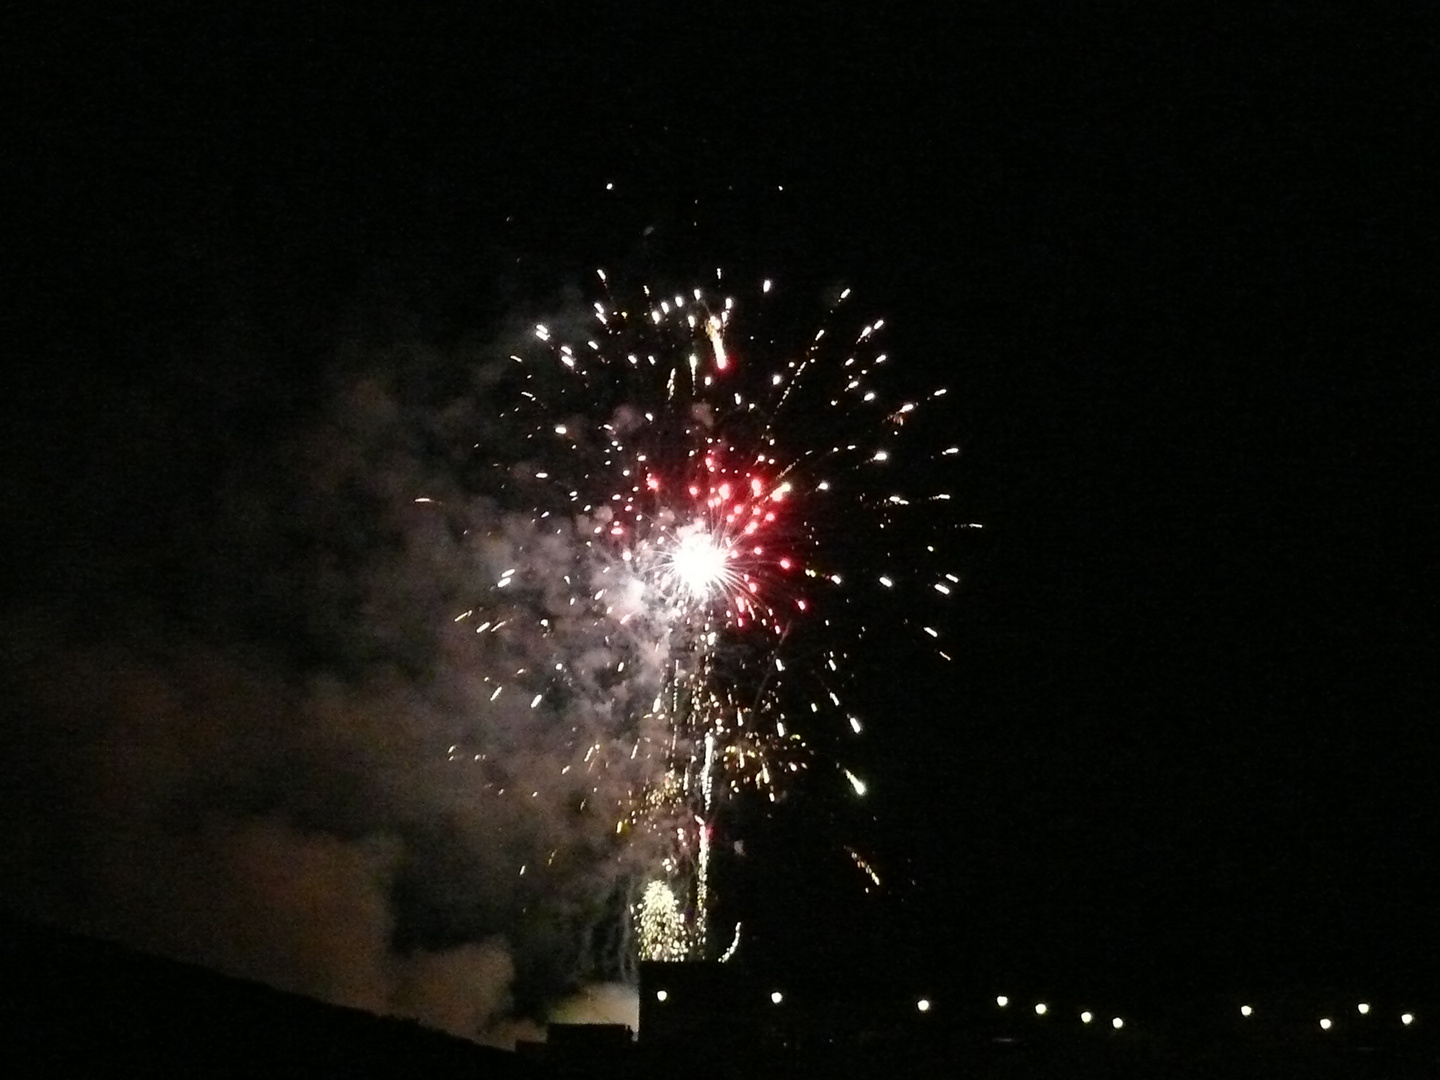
(699, 564)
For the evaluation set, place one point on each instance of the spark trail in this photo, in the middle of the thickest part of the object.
(698, 507)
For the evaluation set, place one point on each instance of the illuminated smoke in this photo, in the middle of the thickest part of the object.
(686, 491)
(473, 662)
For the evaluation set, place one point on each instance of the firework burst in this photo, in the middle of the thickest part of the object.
(712, 491)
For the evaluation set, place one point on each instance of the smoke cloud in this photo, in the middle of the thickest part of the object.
(325, 767)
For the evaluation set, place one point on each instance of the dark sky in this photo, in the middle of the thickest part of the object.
(1173, 271)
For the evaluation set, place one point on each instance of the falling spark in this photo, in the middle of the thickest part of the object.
(712, 493)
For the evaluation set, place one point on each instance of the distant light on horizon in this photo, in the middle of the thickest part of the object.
(925, 1005)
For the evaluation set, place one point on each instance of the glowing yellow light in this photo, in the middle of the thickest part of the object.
(662, 995)
(1363, 1008)
(1002, 1001)
(1246, 1010)
(1117, 1023)
(923, 1005)
(776, 997)
(1041, 1009)
(1086, 1016)
(1325, 1024)
(660, 923)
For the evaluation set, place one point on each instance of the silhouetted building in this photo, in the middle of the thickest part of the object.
(723, 1006)
(75, 1006)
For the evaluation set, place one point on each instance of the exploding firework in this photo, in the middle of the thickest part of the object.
(697, 505)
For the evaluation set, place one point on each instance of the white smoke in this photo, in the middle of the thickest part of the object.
(601, 1003)
(326, 777)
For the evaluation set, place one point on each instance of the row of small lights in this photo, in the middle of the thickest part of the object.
(776, 997)
(1363, 1008)
(1086, 1016)
(924, 1005)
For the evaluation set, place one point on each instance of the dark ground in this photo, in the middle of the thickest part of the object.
(73, 1006)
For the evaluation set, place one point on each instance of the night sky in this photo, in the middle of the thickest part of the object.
(1172, 272)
